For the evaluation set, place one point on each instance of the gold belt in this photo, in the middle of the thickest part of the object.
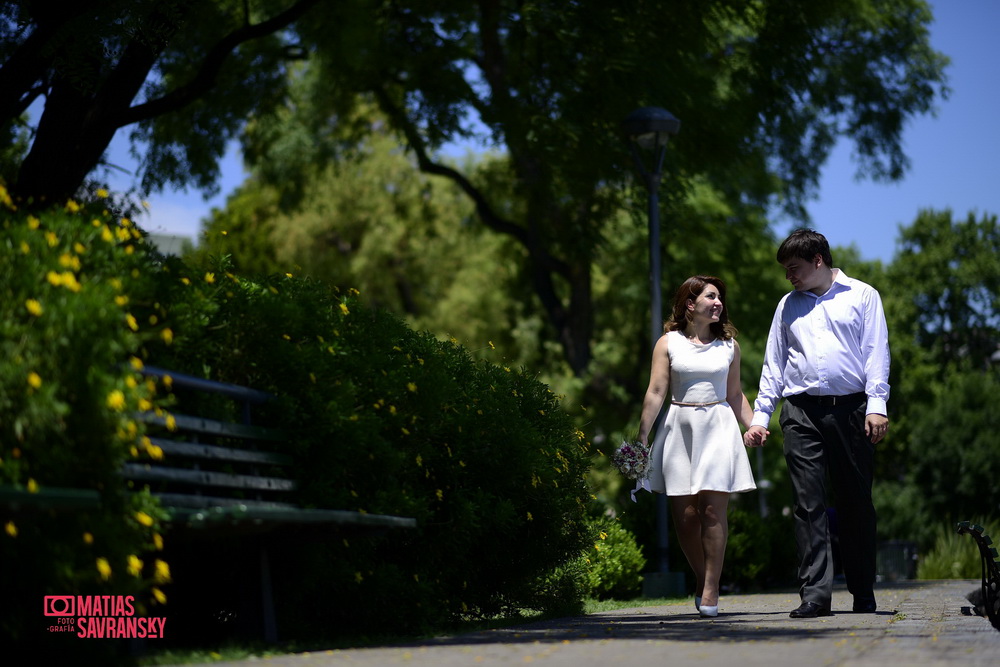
(695, 405)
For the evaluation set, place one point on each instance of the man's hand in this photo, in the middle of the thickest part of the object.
(755, 436)
(876, 426)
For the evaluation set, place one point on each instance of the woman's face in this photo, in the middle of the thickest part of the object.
(707, 305)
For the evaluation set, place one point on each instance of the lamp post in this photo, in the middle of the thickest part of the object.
(649, 129)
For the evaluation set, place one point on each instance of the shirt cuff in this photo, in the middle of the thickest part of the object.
(760, 419)
(876, 406)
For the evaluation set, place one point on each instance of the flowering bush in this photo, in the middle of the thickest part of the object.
(384, 420)
(73, 321)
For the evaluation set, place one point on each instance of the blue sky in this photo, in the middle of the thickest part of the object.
(953, 155)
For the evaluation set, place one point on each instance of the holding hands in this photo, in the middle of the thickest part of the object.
(755, 436)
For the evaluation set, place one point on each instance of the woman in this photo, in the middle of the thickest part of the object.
(698, 457)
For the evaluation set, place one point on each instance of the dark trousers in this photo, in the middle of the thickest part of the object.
(822, 440)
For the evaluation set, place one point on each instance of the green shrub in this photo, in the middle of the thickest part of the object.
(614, 563)
(389, 420)
(69, 326)
(761, 551)
(955, 556)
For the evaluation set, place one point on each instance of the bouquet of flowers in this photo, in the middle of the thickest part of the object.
(632, 459)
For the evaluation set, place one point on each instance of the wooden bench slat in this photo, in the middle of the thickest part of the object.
(49, 498)
(214, 452)
(185, 501)
(214, 427)
(148, 473)
(288, 515)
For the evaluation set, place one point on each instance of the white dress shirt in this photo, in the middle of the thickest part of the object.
(832, 344)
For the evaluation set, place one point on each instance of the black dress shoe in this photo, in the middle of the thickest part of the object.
(810, 610)
(864, 605)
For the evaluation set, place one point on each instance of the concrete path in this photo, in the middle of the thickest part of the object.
(918, 623)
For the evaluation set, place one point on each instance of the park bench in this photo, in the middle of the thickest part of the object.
(217, 477)
(991, 570)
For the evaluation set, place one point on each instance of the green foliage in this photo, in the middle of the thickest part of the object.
(760, 552)
(955, 556)
(614, 563)
(393, 421)
(70, 305)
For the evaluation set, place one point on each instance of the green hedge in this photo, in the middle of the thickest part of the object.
(388, 420)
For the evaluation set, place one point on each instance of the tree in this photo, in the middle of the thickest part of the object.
(763, 88)
(104, 65)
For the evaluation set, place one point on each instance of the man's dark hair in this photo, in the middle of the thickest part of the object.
(805, 244)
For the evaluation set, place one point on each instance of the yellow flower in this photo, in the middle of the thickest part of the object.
(33, 222)
(10, 528)
(106, 235)
(530, 518)
(54, 278)
(101, 193)
(131, 322)
(209, 278)
(134, 565)
(185, 281)
(144, 518)
(88, 538)
(72, 206)
(5, 197)
(344, 309)
(79, 248)
(116, 400)
(25, 248)
(33, 306)
(162, 574)
(158, 541)
(34, 380)
(69, 261)
(121, 300)
(32, 486)
(171, 423)
(52, 239)
(104, 568)
(159, 595)
(358, 578)
(136, 363)
(411, 386)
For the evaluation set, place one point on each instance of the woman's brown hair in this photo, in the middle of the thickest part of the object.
(691, 289)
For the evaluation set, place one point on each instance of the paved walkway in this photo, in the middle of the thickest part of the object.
(918, 623)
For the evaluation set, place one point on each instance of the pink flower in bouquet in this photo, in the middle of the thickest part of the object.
(631, 459)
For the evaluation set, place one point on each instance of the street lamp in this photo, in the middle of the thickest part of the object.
(649, 129)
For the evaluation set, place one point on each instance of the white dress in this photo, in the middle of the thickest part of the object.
(699, 448)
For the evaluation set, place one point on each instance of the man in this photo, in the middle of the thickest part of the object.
(828, 357)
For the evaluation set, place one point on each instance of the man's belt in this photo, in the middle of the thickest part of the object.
(829, 401)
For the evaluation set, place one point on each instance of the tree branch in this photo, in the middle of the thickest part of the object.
(486, 212)
(210, 67)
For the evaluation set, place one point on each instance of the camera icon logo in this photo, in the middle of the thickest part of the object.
(60, 605)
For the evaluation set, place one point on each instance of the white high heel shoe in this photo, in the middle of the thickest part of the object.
(708, 611)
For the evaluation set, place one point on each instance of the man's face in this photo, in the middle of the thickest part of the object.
(803, 274)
